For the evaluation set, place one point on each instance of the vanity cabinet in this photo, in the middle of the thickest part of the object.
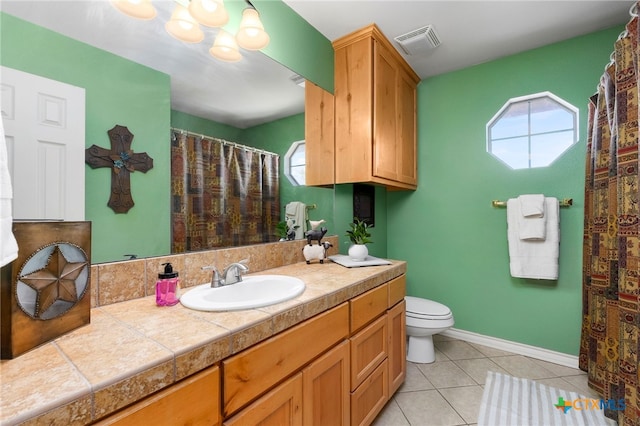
(375, 112)
(192, 401)
(378, 364)
(319, 136)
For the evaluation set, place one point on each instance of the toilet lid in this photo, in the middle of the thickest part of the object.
(418, 307)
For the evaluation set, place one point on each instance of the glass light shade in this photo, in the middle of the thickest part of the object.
(183, 27)
(225, 47)
(211, 13)
(140, 9)
(251, 35)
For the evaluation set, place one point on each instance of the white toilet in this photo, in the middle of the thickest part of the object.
(424, 319)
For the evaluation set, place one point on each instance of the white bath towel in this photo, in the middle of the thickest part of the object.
(536, 259)
(297, 212)
(8, 245)
(532, 223)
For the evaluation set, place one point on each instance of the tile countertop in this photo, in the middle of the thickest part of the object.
(134, 348)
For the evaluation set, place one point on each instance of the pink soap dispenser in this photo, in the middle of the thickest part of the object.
(167, 287)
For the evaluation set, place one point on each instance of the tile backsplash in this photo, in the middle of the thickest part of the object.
(131, 279)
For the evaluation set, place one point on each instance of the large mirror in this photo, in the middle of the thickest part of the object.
(124, 85)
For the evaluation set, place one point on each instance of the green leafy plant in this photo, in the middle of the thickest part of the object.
(282, 229)
(359, 232)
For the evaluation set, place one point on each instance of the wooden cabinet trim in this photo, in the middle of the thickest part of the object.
(372, 31)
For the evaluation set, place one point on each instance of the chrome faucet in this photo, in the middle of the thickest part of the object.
(230, 275)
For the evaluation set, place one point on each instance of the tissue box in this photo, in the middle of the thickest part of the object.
(46, 291)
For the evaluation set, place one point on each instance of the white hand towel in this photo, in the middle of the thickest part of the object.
(297, 211)
(532, 223)
(536, 259)
(532, 205)
(8, 245)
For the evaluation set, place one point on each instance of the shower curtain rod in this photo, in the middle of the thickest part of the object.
(565, 202)
(225, 142)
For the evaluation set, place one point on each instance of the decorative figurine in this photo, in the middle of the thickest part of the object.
(316, 235)
(312, 252)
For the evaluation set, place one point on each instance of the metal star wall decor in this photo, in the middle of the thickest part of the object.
(52, 281)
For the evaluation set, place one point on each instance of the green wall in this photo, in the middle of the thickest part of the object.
(277, 136)
(122, 92)
(453, 239)
(117, 91)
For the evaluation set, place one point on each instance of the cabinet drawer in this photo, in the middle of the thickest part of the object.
(252, 372)
(369, 399)
(280, 407)
(368, 350)
(367, 306)
(193, 401)
(397, 290)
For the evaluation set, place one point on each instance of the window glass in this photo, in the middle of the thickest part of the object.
(532, 131)
(295, 163)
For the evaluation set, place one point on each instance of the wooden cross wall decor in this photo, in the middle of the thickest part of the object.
(122, 162)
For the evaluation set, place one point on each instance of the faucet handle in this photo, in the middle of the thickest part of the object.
(215, 277)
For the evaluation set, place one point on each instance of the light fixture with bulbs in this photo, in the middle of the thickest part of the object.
(185, 25)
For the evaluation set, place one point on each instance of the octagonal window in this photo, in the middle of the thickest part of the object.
(295, 163)
(532, 131)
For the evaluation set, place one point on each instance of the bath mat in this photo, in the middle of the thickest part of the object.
(508, 400)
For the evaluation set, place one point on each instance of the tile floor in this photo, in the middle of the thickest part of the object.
(448, 392)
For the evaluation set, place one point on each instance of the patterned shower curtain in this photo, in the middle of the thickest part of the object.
(609, 343)
(223, 194)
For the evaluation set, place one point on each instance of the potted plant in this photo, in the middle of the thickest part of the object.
(359, 235)
(286, 231)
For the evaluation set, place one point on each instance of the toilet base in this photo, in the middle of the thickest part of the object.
(421, 349)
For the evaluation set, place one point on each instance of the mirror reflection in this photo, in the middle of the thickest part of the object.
(120, 89)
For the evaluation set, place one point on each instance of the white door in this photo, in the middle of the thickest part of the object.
(44, 129)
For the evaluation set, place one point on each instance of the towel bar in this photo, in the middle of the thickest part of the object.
(565, 202)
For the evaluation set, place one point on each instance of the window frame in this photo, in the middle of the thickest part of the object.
(527, 98)
(287, 163)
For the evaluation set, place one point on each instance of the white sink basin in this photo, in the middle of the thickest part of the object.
(252, 292)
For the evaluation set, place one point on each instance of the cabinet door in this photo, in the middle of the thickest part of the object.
(385, 118)
(368, 400)
(319, 136)
(397, 347)
(280, 407)
(353, 111)
(406, 130)
(326, 389)
(193, 401)
(368, 350)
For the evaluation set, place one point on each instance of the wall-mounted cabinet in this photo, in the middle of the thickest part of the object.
(319, 136)
(375, 112)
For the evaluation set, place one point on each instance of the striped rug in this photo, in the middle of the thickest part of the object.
(514, 401)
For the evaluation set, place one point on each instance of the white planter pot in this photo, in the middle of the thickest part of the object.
(358, 252)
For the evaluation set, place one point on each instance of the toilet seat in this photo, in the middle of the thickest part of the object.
(425, 309)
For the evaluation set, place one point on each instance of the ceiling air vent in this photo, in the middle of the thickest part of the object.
(418, 41)
(298, 79)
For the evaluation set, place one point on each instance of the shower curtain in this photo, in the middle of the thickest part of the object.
(223, 194)
(609, 343)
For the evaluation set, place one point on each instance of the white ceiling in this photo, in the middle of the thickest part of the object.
(258, 90)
